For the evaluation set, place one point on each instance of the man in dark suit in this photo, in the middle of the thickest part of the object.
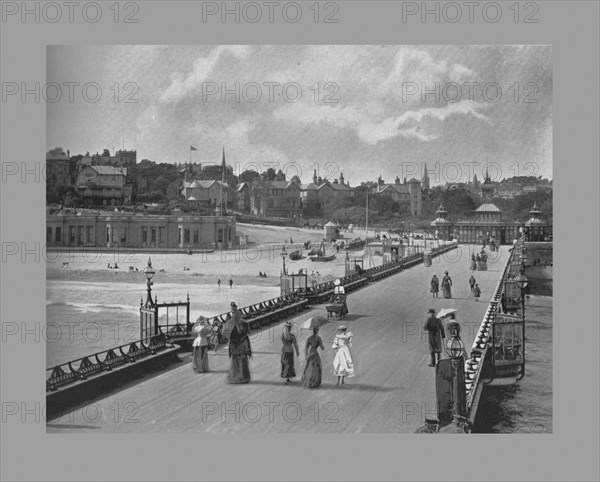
(434, 327)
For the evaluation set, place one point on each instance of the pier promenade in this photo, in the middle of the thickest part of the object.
(393, 390)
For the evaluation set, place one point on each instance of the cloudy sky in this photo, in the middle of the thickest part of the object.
(360, 110)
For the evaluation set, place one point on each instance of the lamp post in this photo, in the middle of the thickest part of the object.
(149, 273)
(283, 256)
(522, 283)
(455, 349)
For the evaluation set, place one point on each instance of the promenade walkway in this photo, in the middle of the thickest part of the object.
(393, 389)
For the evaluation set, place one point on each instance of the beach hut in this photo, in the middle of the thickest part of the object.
(332, 231)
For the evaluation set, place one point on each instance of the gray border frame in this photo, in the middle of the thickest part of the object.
(569, 453)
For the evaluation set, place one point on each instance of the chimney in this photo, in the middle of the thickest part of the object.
(68, 153)
(397, 180)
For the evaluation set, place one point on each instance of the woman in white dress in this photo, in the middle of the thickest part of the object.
(200, 345)
(343, 366)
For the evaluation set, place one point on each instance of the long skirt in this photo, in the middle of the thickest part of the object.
(200, 359)
(287, 365)
(311, 378)
(239, 370)
(447, 291)
(343, 366)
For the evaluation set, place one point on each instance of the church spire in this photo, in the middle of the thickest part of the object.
(223, 168)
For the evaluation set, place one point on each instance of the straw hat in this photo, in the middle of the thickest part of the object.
(342, 328)
(337, 282)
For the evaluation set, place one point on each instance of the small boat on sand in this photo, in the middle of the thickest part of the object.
(295, 255)
(322, 258)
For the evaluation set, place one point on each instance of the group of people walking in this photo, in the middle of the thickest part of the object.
(447, 286)
(240, 352)
(343, 364)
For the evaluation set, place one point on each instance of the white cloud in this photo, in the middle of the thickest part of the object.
(182, 85)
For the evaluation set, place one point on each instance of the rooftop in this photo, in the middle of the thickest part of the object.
(487, 208)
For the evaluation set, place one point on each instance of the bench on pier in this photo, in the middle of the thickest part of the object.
(99, 363)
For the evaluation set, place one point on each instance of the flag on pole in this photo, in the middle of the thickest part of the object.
(192, 148)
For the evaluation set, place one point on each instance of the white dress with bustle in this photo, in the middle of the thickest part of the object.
(343, 366)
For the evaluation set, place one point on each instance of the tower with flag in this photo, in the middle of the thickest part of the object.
(224, 184)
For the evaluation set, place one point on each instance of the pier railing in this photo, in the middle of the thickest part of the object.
(474, 365)
(256, 315)
(104, 361)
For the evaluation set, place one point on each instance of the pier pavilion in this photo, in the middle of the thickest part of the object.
(487, 222)
(109, 230)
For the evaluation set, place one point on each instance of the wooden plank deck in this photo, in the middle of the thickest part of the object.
(393, 390)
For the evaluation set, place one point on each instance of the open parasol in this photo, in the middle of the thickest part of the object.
(445, 312)
(313, 321)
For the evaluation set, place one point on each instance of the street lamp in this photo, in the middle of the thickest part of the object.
(149, 273)
(455, 349)
(522, 282)
(283, 256)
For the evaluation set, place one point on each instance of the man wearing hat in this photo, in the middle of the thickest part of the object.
(434, 327)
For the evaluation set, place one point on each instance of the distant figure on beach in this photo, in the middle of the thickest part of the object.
(230, 283)
(287, 352)
(219, 283)
(109, 266)
(311, 378)
(115, 266)
(434, 327)
(343, 366)
(476, 292)
(446, 285)
(473, 262)
(239, 348)
(472, 282)
(200, 345)
(435, 286)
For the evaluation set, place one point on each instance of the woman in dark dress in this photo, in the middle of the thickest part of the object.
(287, 352)
(239, 348)
(447, 285)
(311, 378)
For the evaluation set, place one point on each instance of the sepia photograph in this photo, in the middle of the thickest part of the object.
(299, 239)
